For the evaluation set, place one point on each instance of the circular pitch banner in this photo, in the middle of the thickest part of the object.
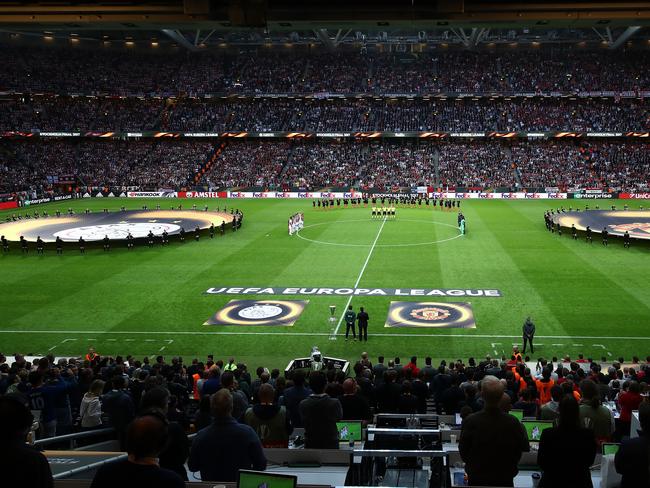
(115, 225)
(431, 314)
(259, 312)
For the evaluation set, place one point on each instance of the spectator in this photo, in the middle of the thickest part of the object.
(90, 411)
(491, 442)
(21, 465)
(239, 400)
(568, 436)
(175, 452)
(354, 406)
(631, 460)
(593, 414)
(222, 449)
(551, 410)
(628, 400)
(119, 408)
(270, 422)
(294, 395)
(146, 438)
(320, 413)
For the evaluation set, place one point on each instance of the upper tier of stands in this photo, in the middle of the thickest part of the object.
(266, 70)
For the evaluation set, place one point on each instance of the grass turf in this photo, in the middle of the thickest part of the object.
(588, 298)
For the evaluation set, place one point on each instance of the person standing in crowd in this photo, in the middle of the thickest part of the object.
(293, 395)
(146, 438)
(350, 318)
(631, 460)
(90, 411)
(319, 414)
(118, 405)
(528, 331)
(221, 450)
(175, 452)
(362, 318)
(568, 436)
(354, 406)
(270, 422)
(628, 400)
(593, 414)
(21, 465)
(491, 441)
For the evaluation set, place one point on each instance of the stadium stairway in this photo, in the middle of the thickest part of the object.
(205, 168)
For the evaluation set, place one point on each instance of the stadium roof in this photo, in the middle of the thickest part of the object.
(194, 24)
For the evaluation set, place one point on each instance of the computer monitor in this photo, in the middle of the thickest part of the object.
(534, 428)
(610, 448)
(260, 479)
(518, 414)
(350, 431)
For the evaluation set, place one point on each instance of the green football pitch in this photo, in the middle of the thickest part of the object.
(583, 298)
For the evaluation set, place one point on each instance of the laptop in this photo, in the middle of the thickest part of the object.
(534, 428)
(518, 414)
(351, 430)
(261, 479)
(610, 448)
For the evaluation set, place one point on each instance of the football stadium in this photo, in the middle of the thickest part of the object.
(271, 244)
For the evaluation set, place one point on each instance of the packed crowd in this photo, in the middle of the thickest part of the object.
(119, 165)
(65, 387)
(317, 115)
(313, 165)
(266, 70)
(216, 395)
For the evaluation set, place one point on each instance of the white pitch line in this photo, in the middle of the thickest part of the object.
(379, 334)
(52, 348)
(363, 269)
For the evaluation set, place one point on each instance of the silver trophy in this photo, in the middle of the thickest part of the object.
(332, 313)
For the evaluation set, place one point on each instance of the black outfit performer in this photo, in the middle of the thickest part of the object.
(212, 230)
(165, 238)
(574, 232)
(150, 239)
(589, 238)
(106, 243)
(5, 244)
(39, 245)
(626, 240)
(59, 246)
(605, 236)
(350, 318)
(362, 319)
(23, 245)
(181, 233)
(528, 331)
(223, 227)
(82, 245)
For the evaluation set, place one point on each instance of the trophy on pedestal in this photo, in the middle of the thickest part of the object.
(332, 312)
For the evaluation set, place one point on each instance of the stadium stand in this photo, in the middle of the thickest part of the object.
(54, 387)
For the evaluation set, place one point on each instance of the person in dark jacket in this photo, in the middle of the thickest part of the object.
(177, 449)
(491, 441)
(21, 465)
(568, 436)
(362, 319)
(119, 407)
(355, 406)
(631, 460)
(320, 413)
(221, 450)
(528, 331)
(293, 395)
(271, 422)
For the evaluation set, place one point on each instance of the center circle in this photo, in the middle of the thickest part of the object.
(116, 231)
(411, 244)
(260, 312)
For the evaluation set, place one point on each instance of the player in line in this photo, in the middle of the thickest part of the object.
(383, 213)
